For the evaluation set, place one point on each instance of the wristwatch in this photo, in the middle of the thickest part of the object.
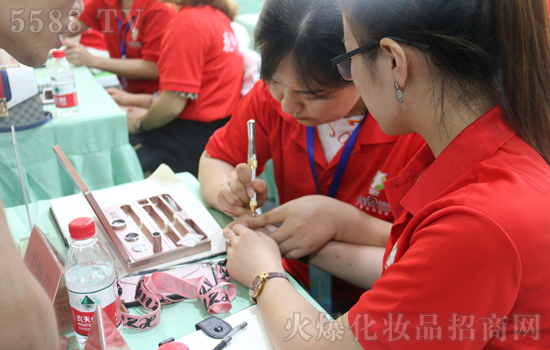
(137, 125)
(258, 284)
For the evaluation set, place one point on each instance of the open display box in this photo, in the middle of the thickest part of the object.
(151, 227)
(150, 223)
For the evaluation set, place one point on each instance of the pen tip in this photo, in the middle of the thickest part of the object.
(253, 205)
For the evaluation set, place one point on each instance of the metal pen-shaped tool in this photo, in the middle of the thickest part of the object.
(228, 337)
(252, 161)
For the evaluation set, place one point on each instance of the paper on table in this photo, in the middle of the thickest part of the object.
(253, 337)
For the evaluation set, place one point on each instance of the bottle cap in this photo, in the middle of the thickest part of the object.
(82, 228)
(58, 53)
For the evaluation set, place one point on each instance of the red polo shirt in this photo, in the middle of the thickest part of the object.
(208, 63)
(92, 37)
(279, 136)
(143, 38)
(470, 247)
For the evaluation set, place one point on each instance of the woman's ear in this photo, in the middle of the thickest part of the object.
(398, 60)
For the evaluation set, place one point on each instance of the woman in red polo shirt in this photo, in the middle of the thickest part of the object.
(301, 99)
(467, 263)
(133, 31)
(200, 82)
(92, 38)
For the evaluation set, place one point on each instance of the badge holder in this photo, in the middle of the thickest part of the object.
(214, 327)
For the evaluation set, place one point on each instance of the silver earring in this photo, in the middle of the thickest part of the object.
(398, 93)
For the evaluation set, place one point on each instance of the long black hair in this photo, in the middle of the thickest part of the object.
(498, 48)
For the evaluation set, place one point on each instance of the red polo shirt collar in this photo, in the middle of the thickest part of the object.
(118, 5)
(377, 137)
(425, 177)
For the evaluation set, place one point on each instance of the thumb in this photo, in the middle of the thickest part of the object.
(260, 186)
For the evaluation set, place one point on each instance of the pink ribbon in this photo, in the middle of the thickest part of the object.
(150, 289)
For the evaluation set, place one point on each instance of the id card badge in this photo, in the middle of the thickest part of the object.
(320, 283)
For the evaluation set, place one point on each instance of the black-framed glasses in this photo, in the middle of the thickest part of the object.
(342, 63)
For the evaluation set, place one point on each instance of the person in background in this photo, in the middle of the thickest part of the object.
(301, 94)
(93, 38)
(467, 263)
(27, 318)
(200, 81)
(133, 31)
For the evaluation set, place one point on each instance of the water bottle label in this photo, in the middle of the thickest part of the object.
(83, 307)
(64, 95)
(66, 101)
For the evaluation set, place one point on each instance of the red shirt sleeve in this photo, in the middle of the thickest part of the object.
(425, 300)
(182, 61)
(90, 16)
(230, 143)
(155, 26)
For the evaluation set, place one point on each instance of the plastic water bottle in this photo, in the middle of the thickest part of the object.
(63, 85)
(90, 278)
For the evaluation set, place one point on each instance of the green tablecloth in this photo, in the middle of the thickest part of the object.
(96, 142)
(177, 320)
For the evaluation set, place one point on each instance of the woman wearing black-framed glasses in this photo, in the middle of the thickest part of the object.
(342, 63)
(467, 263)
(308, 120)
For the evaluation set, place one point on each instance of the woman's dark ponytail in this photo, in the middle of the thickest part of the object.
(524, 41)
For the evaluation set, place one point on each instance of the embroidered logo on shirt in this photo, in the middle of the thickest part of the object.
(372, 202)
(377, 183)
(391, 257)
(135, 44)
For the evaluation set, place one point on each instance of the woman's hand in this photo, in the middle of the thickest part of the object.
(133, 113)
(308, 224)
(77, 54)
(121, 97)
(233, 197)
(250, 253)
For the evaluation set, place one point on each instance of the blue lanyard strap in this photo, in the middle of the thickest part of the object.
(342, 163)
(310, 134)
(123, 36)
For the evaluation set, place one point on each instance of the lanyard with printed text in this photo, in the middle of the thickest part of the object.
(320, 282)
(342, 163)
